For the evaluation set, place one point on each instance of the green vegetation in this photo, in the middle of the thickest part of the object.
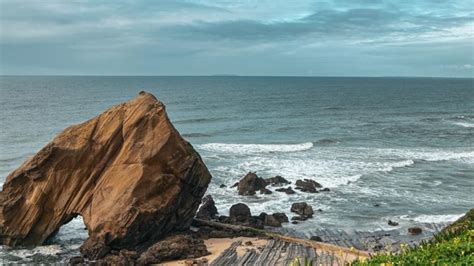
(453, 246)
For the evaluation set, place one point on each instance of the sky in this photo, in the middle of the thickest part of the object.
(432, 38)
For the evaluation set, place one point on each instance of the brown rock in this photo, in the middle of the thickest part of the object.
(265, 191)
(127, 172)
(174, 248)
(240, 212)
(307, 185)
(415, 230)
(277, 181)
(250, 183)
(303, 209)
(281, 217)
(207, 210)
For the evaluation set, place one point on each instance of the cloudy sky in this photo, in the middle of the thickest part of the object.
(201, 37)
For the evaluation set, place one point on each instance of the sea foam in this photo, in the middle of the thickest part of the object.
(255, 148)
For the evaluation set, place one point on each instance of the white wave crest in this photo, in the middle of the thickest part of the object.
(464, 124)
(255, 148)
(437, 218)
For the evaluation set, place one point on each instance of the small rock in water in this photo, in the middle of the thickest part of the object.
(302, 208)
(415, 230)
(251, 183)
(316, 238)
(392, 223)
(222, 186)
(325, 189)
(235, 185)
(78, 260)
(376, 205)
(307, 185)
(287, 190)
(277, 181)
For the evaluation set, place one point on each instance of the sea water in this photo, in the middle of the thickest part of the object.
(405, 145)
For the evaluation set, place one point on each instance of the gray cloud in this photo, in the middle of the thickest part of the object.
(260, 38)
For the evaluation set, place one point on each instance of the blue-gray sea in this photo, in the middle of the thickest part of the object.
(406, 144)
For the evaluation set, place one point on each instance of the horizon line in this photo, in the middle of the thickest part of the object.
(228, 75)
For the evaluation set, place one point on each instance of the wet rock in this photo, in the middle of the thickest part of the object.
(222, 186)
(325, 189)
(240, 212)
(173, 248)
(235, 185)
(376, 205)
(127, 172)
(287, 190)
(302, 208)
(281, 217)
(316, 238)
(250, 183)
(293, 221)
(307, 185)
(207, 210)
(265, 191)
(392, 223)
(277, 181)
(415, 230)
(271, 220)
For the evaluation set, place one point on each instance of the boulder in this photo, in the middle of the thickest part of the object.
(251, 183)
(207, 210)
(287, 190)
(127, 172)
(304, 210)
(265, 191)
(239, 212)
(281, 217)
(307, 185)
(173, 248)
(277, 181)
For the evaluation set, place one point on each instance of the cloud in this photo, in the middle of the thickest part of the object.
(83, 36)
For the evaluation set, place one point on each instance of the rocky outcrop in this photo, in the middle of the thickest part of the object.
(127, 172)
(277, 181)
(251, 183)
(207, 210)
(303, 210)
(174, 248)
(287, 190)
(239, 214)
(307, 185)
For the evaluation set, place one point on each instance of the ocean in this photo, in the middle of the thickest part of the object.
(405, 145)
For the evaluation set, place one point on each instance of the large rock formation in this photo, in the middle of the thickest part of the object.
(127, 172)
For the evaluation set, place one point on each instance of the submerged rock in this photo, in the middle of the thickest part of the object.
(287, 190)
(127, 172)
(251, 183)
(392, 223)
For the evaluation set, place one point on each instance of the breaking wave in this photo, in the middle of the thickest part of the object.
(255, 148)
